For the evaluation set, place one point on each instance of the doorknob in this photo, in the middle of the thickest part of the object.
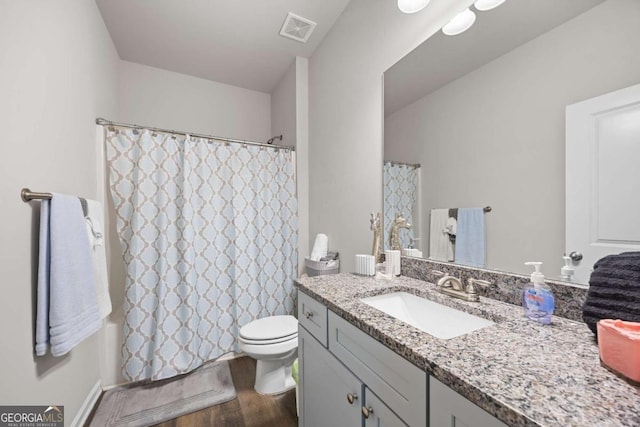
(575, 256)
(351, 397)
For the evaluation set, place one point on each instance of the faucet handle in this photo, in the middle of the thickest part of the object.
(480, 282)
(438, 273)
(471, 282)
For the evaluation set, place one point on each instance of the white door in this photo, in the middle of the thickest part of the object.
(603, 177)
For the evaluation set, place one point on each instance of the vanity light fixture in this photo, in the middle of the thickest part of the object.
(460, 23)
(412, 6)
(484, 5)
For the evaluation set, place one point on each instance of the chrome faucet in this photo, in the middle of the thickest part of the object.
(452, 286)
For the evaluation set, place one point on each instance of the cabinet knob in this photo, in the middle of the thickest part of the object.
(309, 314)
(351, 397)
(367, 411)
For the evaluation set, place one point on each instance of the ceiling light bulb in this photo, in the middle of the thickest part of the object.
(484, 5)
(460, 23)
(412, 6)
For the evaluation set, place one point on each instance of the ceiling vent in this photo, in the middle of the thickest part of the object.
(297, 28)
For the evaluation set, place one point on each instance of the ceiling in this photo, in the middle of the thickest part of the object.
(228, 41)
(442, 59)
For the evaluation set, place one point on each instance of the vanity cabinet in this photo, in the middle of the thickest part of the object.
(349, 379)
(448, 408)
(399, 384)
(329, 394)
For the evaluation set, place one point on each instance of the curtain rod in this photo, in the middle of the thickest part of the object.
(411, 165)
(105, 122)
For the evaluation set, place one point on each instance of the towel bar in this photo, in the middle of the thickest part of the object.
(28, 195)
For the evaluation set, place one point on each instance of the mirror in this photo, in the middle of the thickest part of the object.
(483, 114)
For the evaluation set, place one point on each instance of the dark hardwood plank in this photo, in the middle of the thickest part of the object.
(249, 409)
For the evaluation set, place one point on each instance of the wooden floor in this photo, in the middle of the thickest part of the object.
(249, 409)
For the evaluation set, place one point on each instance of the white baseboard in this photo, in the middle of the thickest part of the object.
(87, 406)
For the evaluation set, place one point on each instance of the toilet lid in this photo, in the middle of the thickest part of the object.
(270, 328)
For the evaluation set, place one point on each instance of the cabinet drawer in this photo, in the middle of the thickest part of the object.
(313, 316)
(400, 384)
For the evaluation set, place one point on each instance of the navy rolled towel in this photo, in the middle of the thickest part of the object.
(614, 290)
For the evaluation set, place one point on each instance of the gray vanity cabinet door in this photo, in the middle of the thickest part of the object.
(377, 414)
(324, 387)
(449, 409)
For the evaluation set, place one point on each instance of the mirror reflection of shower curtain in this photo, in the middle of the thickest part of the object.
(401, 196)
(209, 238)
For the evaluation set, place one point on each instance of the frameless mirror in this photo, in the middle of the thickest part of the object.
(480, 119)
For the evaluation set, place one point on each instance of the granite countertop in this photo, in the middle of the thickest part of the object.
(521, 372)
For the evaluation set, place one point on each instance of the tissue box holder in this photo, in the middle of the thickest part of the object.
(320, 268)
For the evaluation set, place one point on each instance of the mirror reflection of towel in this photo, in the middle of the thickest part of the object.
(451, 229)
(470, 237)
(440, 247)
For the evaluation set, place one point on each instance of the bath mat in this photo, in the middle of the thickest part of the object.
(154, 402)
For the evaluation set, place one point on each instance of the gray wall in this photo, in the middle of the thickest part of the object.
(58, 72)
(345, 113)
(153, 97)
(289, 117)
(283, 107)
(496, 136)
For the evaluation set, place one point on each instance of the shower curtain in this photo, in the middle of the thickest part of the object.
(209, 235)
(400, 188)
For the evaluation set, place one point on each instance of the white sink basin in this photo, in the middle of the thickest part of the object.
(428, 316)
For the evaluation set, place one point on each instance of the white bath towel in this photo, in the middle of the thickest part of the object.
(67, 311)
(470, 239)
(42, 300)
(95, 230)
(320, 247)
(440, 246)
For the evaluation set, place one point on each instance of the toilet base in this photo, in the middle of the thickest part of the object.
(274, 376)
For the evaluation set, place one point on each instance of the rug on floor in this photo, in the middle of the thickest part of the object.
(155, 402)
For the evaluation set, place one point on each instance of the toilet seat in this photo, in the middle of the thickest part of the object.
(269, 330)
(267, 342)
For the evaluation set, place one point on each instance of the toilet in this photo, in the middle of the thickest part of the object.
(273, 343)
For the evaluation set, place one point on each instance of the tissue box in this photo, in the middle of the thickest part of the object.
(320, 268)
(619, 345)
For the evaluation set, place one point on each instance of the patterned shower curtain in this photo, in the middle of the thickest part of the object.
(209, 236)
(400, 187)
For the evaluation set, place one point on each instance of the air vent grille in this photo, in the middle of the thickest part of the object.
(297, 28)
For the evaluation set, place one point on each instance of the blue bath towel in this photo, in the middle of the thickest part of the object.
(67, 307)
(470, 237)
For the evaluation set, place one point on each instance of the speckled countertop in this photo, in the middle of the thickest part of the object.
(523, 373)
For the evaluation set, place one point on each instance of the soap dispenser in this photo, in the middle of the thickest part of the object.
(537, 299)
(567, 271)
